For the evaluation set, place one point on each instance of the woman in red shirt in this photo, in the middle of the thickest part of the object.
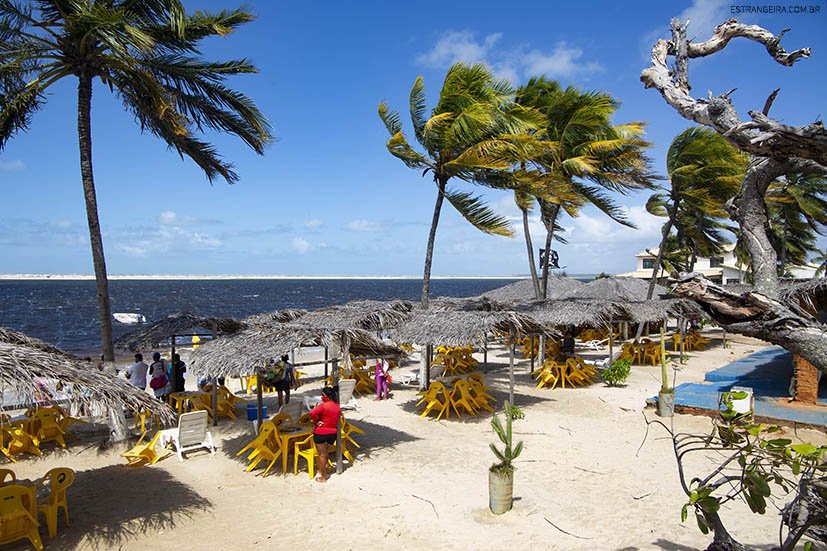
(326, 417)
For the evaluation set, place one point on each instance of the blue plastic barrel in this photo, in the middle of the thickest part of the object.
(252, 411)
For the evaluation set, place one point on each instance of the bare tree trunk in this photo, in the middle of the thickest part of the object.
(85, 142)
(549, 222)
(429, 251)
(530, 248)
(664, 233)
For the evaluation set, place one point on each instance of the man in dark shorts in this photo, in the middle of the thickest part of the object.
(285, 379)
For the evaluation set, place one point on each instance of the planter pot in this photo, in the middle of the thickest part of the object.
(666, 404)
(500, 492)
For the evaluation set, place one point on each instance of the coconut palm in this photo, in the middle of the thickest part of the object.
(590, 155)
(704, 172)
(797, 215)
(147, 54)
(474, 129)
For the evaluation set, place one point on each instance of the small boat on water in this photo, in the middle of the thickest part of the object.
(129, 318)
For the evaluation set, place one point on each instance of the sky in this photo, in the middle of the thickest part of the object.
(327, 198)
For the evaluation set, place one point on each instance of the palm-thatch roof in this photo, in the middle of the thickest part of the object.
(281, 316)
(467, 304)
(463, 328)
(27, 363)
(248, 350)
(572, 312)
(616, 289)
(372, 315)
(176, 324)
(523, 290)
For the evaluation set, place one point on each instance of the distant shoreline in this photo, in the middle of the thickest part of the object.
(84, 277)
(202, 277)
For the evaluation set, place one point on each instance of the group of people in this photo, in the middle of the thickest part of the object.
(164, 378)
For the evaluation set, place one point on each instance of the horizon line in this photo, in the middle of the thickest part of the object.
(83, 277)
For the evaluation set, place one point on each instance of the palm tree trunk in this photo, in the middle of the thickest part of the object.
(549, 223)
(85, 142)
(530, 248)
(429, 251)
(664, 233)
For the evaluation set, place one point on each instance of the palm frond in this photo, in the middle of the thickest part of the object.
(475, 211)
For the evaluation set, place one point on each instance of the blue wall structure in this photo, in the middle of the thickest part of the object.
(768, 373)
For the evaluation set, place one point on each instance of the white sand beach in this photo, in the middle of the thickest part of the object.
(586, 480)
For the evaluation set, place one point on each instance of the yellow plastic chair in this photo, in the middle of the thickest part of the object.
(144, 453)
(280, 419)
(21, 441)
(435, 398)
(144, 419)
(46, 428)
(58, 480)
(7, 473)
(480, 396)
(5, 439)
(18, 515)
(304, 419)
(268, 449)
(652, 353)
(462, 397)
(267, 429)
(306, 449)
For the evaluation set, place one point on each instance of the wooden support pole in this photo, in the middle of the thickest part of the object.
(325, 362)
(485, 352)
(215, 401)
(345, 352)
(611, 342)
(511, 368)
(429, 349)
(259, 401)
(541, 354)
(681, 324)
(531, 349)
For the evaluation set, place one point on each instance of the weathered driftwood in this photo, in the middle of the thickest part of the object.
(777, 149)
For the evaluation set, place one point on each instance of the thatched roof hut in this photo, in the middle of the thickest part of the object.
(176, 324)
(371, 315)
(280, 316)
(616, 289)
(571, 312)
(463, 328)
(523, 290)
(248, 350)
(26, 363)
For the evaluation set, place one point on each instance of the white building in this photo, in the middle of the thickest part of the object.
(722, 269)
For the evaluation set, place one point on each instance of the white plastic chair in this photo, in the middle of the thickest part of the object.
(346, 399)
(191, 434)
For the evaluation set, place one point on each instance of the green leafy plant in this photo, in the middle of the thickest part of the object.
(618, 372)
(509, 453)
(517, 412)
(756, 465)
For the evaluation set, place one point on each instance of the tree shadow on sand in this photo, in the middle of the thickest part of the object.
(672, 546)
(111, 505)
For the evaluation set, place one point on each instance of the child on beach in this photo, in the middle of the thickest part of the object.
(382, 379)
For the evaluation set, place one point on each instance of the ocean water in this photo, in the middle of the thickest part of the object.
(65, 312)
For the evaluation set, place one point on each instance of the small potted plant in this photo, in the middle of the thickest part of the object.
(666, 394)
(501, 474)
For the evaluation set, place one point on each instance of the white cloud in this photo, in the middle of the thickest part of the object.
(312, 224)
(704, 16)
(162, 240)
(12, 165)
(300, 245)
(168, 217)
(363, 225)
(456, 46)
(513, 64)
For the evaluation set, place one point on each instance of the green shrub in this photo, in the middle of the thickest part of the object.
(618, 372)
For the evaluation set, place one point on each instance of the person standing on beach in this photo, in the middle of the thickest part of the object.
(158, 376)
(326, 417)
(136, 373)
(178, 370)
(382, 379)
(287, 381)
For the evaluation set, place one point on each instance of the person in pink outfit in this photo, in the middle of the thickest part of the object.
(382, 379)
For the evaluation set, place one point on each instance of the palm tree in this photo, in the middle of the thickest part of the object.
(147, 54)
(474, 129)
(704, 172)
(797, 215)
(590, 155)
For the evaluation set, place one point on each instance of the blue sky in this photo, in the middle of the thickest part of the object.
(327, 198)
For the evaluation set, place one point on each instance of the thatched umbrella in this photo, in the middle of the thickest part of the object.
(176, 325)
(523, 290)
(25, 362)
(467, 328)
(247, 351)
(282, 316)
(616, 289)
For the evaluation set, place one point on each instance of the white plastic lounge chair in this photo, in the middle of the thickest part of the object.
(593, 345)
(410, 379)
(191, 434)
(346, 399)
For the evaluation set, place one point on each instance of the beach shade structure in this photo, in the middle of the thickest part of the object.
(281, 316)
(615, 289)
(26, 364)
(467, 328)
(523, 291)
(165, 331)
(248, 351)
(370, 315)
